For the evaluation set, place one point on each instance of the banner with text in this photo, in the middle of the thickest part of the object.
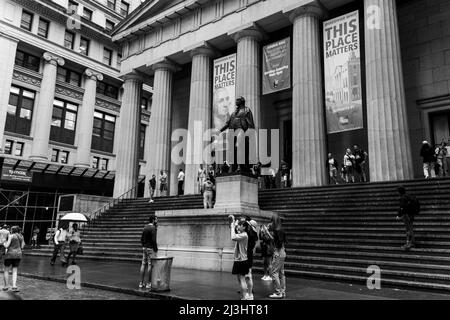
(16, 175)
(224, 92)
(342, 67)
(277, 66)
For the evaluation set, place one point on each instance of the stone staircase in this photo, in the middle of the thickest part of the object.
(334, 232)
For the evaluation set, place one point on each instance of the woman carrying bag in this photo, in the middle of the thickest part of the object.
(14, 246)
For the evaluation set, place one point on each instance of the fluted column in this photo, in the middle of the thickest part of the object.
(248, 77)
(389, 146)
(158, 146)
(308, 131)
(44, 109)
(8, 47)
(86, 118)
(199, 114)
(127, 161)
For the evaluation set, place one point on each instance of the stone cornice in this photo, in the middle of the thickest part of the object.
(68, 90)
(27, 76)
(53, 59)
(93, 75)
(107, 103)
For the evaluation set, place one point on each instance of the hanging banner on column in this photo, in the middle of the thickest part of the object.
(224, 92)
(277, 66)
(342, 67)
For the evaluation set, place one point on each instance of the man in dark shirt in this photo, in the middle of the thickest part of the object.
(149, 250)
(406, 213)
(152, 185)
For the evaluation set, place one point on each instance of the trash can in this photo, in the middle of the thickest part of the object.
(161, 267)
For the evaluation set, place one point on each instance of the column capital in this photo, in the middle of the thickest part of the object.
(133, 75)
(313, 9)
(167, 65)
(251, 31)
(53, 59)
(202, 48)
(93, 75)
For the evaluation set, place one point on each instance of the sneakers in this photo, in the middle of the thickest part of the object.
(151, 201)
(276, 295)
(148, 286)
(250, 297)
(5, 289)
(266, 278)
(141, 285)
(15, 289)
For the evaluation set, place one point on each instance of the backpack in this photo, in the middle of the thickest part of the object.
(413, 205)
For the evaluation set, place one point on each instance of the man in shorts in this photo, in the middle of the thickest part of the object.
(149, 250)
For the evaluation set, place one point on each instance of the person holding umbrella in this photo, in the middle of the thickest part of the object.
(74, 243)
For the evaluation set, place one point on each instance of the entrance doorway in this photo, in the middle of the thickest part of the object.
(440, 127)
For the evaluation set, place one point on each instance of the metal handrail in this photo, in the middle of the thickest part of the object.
(99, 212)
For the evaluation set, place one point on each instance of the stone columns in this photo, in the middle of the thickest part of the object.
(86, 118)
(127, 161)
(308, 141)
(44, 108)
(387, 126)
(158, 146)
(8, 47)
(248, 77)
(199, 114)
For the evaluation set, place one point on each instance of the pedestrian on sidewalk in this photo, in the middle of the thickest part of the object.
(152, 187)
(60, 245)
(180, 182)
(279, 256)
(163, 183)
(441, 162)
(349, 160)
(74, 243)
(409, 207)
(360, 163)
(240, 265)
(149, 251)
(267, 246)
(14, 246)
(201, 178)
(332, 166)
(429, 160)
(34, 237)
(4, 234)
(252, 239)
(208, 189)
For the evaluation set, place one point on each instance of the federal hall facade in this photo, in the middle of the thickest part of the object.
(149, 71)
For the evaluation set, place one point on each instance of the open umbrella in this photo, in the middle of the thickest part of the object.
(75, 216)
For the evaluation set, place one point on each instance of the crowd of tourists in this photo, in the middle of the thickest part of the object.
(353, 167)
(434, 159)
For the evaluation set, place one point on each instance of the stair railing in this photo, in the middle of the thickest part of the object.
(99, 212)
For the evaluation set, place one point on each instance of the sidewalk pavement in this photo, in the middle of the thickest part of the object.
(207, 285)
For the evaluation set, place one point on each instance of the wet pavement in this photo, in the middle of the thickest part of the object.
(123, 277)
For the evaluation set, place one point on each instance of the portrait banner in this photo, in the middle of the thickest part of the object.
(342, 68)
(277, 66)
(224, 92)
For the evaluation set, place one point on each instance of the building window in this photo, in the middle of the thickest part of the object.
(20, 110)
(124, 8)
(142, 141)
(104, 164)
(107, 90)
(69, 76)
(109, 25)
(27, 60)
(112, 4)
(64, 120)
(107, 56)
(19, 149)
(8, 146)
(87, 14)
(95, 162)
(144, 103)
(55, 155)
(73, 7)
(64, 157)
(27, 20)
(69, 39)
(43, 28)
(84, 46)
(103, 132)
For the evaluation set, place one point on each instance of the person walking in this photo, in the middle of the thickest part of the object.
(278, 258)
(360, 163)
(201, 178)
(349, 160)
(34, 237)
(14, 246)
(60, 245)
(149, 251)
(180, 182)
(251, 244)
(4, 234)
(441, 159)
(409, 207)
(332, 166)
(266, 243)
(163, 183)
(208, 189)
(152, 187)
(240, 265)
(74, 243)
(429, 159)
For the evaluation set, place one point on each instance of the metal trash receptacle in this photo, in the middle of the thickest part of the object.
(161, 268)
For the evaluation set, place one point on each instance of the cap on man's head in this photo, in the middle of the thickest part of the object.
(253, 224)
(424, 142)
